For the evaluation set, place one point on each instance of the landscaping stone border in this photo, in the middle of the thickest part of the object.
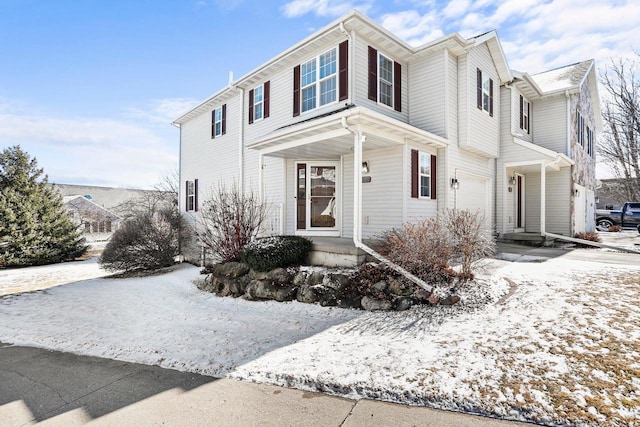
(325, 287)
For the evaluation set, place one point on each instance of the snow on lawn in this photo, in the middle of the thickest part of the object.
(552, 342)
(159, 320)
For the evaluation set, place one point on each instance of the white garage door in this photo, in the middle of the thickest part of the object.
(474, 195)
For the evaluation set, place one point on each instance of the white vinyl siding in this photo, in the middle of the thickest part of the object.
(558, 207)
(550, 124)
(483, 134)
(427, 95)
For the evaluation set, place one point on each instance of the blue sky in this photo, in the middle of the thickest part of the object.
(90, 87)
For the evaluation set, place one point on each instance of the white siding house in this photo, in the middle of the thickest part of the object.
(352, 131)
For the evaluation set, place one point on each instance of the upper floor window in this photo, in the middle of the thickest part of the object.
(385, 80)
(319, 78)
(525, 114)
(259, 102)
(484, 86)
(580, 128)
(590, 141)
(219, 121)
(191, 191)
(423, 175)
(320, 81)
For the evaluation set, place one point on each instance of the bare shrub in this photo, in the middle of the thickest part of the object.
(614, 229)
(229, 220)
(423, 248)
(470, 239)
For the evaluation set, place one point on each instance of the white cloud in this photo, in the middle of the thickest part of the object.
(331, 8)
(99, 151)
(163, 110)
(412, 27)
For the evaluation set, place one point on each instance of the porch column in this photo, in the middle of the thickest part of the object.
(358, 140)
(543, 197)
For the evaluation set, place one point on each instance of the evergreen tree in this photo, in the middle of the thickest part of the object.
(34, 226)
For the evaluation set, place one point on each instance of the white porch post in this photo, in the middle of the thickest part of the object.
(260, 177)
(358, 139)
(543, 198)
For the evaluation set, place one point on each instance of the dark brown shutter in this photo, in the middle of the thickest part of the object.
(296, 91)
(433, 177)
(373, 74)
(528, 117)
(491, 97)
(251, 106)
(479, 88)
(213, 124)
(414, 174)
(343, 75)
(224, 119)
(397, 86)
(265, 98)
(186, 194)
(521, 112)
(195, 195)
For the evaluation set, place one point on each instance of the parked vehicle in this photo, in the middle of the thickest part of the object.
(627, 217)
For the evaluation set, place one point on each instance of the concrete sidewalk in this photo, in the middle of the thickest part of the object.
(59, 389)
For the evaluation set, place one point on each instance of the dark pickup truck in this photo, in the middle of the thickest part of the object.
(627, 217)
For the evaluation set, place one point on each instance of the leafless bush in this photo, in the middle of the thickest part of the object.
(614, 229)
(229, 220)
(470, 239)
(423, 248)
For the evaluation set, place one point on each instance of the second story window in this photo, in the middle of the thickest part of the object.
(219, 121)
(484, 86)
(385, 80)
(525, 114)
(319, 81)
(385, 74)
(580, 129)
(259, 102)
(590, 141)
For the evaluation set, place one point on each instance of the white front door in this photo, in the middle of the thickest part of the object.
(317, 198)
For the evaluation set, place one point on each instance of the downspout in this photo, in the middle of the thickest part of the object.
(358, 139)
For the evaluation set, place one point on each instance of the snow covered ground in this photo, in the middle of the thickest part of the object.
(551, 341)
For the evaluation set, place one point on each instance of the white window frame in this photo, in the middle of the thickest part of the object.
(427, 157)
(258, 103)
(526, 111)
(382, 81)
(318, 81)
(191, 196)
(217, 124)
(486, 92)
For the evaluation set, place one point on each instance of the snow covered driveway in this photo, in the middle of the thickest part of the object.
(560, 347)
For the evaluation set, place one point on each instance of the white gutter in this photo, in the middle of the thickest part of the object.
(588, 242)
(358, 139)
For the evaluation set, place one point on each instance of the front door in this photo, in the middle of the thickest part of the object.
(316, 196)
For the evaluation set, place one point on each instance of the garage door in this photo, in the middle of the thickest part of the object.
(474, 195)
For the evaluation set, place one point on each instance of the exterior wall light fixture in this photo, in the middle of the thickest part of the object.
(455, 184)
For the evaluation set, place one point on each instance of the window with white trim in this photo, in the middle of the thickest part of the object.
(191, 196)
(217, 123)
(258, 103)
(486, 93)
(525, 111)
(424, 173)
(385, 80)
(319, 80)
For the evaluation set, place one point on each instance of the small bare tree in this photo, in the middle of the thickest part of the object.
(619, 145)
(229, 220)
(471, 240)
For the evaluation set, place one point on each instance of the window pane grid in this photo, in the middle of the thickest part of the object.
(425, 175)
(308, 73)
(218, 122)
(386, 93)
(309, 98)
(327, 91)
(328, 64)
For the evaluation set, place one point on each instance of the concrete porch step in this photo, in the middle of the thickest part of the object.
(335, 252)
(527, 238)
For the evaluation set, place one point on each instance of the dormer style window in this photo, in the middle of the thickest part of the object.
(219, 121)
(259, 102)
(484, 87)
(322, 80)
(385, 77)
(525, 114)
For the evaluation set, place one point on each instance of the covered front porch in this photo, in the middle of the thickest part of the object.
(329, 161)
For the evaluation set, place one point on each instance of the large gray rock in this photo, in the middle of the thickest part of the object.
(238, 286)
(450, 300)
(299, 279)
(231, 269)
(380, 286)
(279, 275)
(308, 294)
(373, 304)
(337, 281)
(403, 303)
(315, 278)
(398, 288)
(349, 302)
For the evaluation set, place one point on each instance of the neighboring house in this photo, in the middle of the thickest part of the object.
(352, 131)
(115, 199)
(95, 222)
